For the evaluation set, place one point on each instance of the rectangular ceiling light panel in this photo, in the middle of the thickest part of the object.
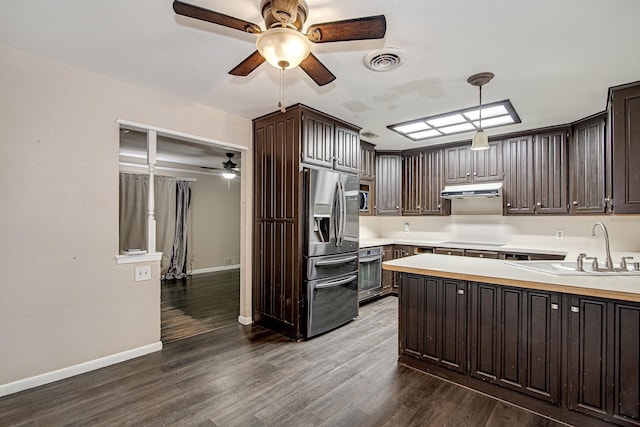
(495, 114)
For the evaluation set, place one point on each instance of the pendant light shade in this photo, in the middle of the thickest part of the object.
(282, 47)
(480, 139)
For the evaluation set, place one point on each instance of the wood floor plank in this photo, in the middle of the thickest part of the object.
(250, 376)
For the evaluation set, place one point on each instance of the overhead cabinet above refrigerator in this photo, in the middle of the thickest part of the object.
(305, 269)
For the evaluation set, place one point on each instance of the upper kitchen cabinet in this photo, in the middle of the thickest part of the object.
(518, 188)
(536, 173)
(464, 166)
(551, 171)
(367, 161)
(624, 113)
(422, 182)
(388, 183)
(587, 166)
(328, 142)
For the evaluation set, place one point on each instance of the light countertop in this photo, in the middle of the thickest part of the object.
(500, 273)
(498, 247)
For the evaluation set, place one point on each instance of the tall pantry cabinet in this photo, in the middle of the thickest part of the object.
(284, 143)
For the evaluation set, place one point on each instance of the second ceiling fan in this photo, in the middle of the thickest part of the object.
(283, 44)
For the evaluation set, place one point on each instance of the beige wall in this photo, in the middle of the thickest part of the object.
(63, 299)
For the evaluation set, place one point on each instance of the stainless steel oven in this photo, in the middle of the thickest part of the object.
(370, 273)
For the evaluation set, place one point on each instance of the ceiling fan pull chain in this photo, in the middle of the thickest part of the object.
(281, 102)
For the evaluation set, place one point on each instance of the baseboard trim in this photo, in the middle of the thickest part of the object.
(214, 269)
(81, 368)
(243, 320)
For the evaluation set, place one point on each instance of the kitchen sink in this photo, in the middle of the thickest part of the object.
(568, 268)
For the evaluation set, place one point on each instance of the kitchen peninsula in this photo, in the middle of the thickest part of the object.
(563, 346)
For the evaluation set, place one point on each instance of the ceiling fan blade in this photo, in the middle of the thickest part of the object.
(207, 15)
(316, 70)
(252, 62)
(370, 27)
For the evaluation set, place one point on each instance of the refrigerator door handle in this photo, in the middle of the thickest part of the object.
(337, 261)
(344, 213)
(336, 283)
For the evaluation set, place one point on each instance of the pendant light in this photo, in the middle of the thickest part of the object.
(480, 139)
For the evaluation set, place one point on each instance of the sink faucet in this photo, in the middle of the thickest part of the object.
(608, 262)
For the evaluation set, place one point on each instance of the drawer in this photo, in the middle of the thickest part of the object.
(448, 251)
(482, 254)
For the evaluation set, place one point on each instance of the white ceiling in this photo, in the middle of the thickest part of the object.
(554, 59)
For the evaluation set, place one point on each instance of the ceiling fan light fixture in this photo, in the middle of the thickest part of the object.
(228, 175)
(283, 48)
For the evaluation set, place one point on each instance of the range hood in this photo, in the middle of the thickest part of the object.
(490, 189)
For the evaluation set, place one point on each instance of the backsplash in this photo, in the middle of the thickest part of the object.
(535, 231)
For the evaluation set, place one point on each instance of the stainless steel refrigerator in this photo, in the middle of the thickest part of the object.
(331, 249)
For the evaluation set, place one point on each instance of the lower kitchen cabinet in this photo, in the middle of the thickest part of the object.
(388, 276)
(603, 359)
(433, 320)
(565, 354)
(514, 339)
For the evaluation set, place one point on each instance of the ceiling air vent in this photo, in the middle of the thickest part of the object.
(385, 59)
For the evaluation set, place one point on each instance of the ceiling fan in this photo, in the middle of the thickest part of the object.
(283, 44)
(229, 169)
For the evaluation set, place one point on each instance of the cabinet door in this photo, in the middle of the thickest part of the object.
(387, 275)
(518, 191)
(346, 149)
(488, 165)
(625, 139)
(367, 161)
(457, 165)
(587, 355)
(515, 340)
(453, 324)
(550, 165)
(317, 140)
(586, 167)
(412, 183)
(625, 357)
(432, 203)
(411, 319)
(388, 184)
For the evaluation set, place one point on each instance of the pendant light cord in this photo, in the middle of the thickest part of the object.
(480, 110)
(281, 102)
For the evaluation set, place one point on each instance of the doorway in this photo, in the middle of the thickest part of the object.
(208, 297)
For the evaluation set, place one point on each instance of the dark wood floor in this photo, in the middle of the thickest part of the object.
(249, 376)
(199, 303)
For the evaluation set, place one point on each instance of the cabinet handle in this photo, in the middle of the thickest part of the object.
(575, 203)
(475, 174)
(468, 174)
(575, 309)
(554, 306)
(508, 205)
(460, 291)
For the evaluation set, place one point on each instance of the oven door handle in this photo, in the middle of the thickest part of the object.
(336, 261)
(337, 282)
(370, 259)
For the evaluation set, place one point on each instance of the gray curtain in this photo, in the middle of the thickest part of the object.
(134, 190)
(165, 209)
(133, 211)
(178, 265)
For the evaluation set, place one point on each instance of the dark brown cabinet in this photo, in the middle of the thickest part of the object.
(518, 189)
(603, 353)
(422, 182)
(536, 171)
(514, 339)
(587, 166)
(329, 143)
(282, 143)
(388, 276)
(433, 320)
(367, 161)
(624, 112)
(388, 183)
(464, 166)
(551, 171)
(399, 251)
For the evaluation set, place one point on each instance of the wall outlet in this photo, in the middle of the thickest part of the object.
(143, 273)
(406, 227)
(559, 234)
